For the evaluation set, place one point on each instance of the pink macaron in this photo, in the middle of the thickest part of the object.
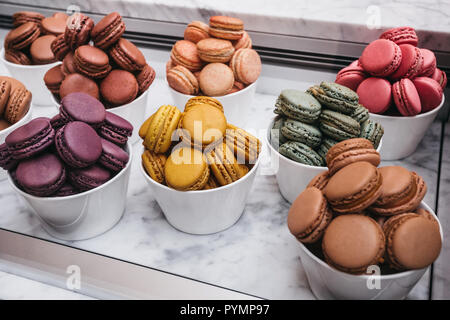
(441, 77)
(411, 64)
(375, 94)
(406, 97)
(430, 93)
(401, 35)
(429, 63)
(351, 76)
(381, 58)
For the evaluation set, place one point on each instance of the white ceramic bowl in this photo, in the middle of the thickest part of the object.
(292, 176)
(134, 112)
(32, 77)
(402, 135)
(84, 215)
(203, 211)
(4, 133)
(329, 283)
(236, 105)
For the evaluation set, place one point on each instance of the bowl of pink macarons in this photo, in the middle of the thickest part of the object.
(401, 86)
(72, 170)
(215, 60)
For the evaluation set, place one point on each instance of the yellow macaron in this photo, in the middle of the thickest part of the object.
(154, 165)
(224, 165)
(203, 100)
(244, 145)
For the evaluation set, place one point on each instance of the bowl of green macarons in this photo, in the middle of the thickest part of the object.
(307, 124)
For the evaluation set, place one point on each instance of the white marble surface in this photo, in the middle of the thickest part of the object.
(324, 19)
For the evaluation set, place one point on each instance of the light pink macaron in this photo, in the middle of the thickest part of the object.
(182, 80)
(430, 93)
(216, 79)
(246, 65)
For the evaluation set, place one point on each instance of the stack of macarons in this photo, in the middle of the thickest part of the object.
(213, 60)
(15, 101)
(310, 123)
(196, 149)
(356, 215)
(79, 149)
(395, 77)
(111, 69)
(30, 40)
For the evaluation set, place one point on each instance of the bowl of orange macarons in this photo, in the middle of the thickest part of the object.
(215, 60)
(199, 167)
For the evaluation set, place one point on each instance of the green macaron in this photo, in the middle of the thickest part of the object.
(335, 97)
(372, 131)
(301, 132)
(302, 153)
(338, 126)
(276, 138)
(360, 114)
(326, 144)
(298, 105)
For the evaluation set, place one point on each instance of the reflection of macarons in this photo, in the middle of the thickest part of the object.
(113, 157)
(108, 30)
(300, 152)
(298, 105)
(224, 165)
(182, 80)
(80, 106)
(116, 129)
(309, 216)
(127, 55)
(246, 65)
(89, 178)
(301, 132)
(215, 50)
(401, 191)
(185, 53)
(119, 87)
(381, 58)
(401, 35)
(18, 105)
(154, 165)
(78, 30)
(196, 31)
(216, 79)
(430, 93)
(406, 97)
(375, 94)
(22, 37)
(76, 82)
(364, 243)
(224, 27)
(91, 62)
(338, 126)
(411, 64)
(325, 145)
(372, 131)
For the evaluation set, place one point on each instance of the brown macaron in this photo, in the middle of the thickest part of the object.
(216, 79)
(309, 216)
(91, 62)
(352, 243)
(53, 79)
(18, 105)
(41, 50)
(182, 80)
(145, 78)
(22, 17)
(5, 91)
(119, 87)
(245, 42)
(78, 30)
(53, 25)
(4, 124)
(14, 83)
(59, 47)
(76, 82)
(127, 56)
(320, 181)
(17, 57)
(225, 27)
(68, 65)
(215, 50)
(22, 36)
(412, 241)
(108, 30)
(185, 53)
(196, 31)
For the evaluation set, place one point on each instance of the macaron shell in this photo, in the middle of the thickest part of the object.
(108, 30)
(406, 97)
(375, 94)
(78, 83)
(215, 50)
(246, 65)
(381, 58)
(127, 55)
(185, 53)
(119, 87)
(196, 31)
(430, 93)
(401, 35)
(351, 77)
(411, 64)
(182, 80)
(18, 105)
(429, 63)
(216, 79)
(154, 165)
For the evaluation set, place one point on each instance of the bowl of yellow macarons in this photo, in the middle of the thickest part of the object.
(199, 168)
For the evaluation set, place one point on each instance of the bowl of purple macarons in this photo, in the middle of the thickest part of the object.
(72, 170)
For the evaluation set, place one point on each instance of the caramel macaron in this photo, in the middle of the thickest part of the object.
(216, 79)
(59, 47)
(185, 53)
(225, 27)
(182, 80)
(18, 105)
(196, 31)
(5, 91)
(320, 181)
(22, 17)
(41, 50)
(215, 50)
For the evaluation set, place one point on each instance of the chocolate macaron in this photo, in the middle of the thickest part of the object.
(119, 87)
(78, 30)
(91, 62)
(108, 30)
(127, 55)
(76, 82)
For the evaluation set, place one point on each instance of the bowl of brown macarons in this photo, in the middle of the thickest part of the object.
(27, 52)
(364, 231)
(215, 60)
(98, 61)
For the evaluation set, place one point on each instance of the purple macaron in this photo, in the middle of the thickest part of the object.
(30, 139)
(82, 107)
(113, 157)
(58, 122)
(66, 190)
(6, 160)
(78, 144)
(89, 178)
(42, 175)
(116, 129)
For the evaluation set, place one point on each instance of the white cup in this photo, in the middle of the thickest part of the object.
(236, 105)
(32, 77)
(329, 283)
(203, 211)
(84, 215)
(402, 135)
(292, 176)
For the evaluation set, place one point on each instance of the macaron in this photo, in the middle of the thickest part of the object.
(351, 77)
(5, 91)
(319, 181)
(381, 58)
(225, 27)
(349, 151)
(89, 178)
(6, 160)
(57, 122)
(113, 157)
(41, 51)
(59, 47)
(22, 36)
(375, 94)
(153, 164)
(14, 82)
(66, 190)
(276, 137)
(145, 78)
(440, 77)
(116, 129)
(22, 17)
(4, 124)
(301, 132)
(186, 169)
(246, 147)
(224, 166)
(79, 106)
(42, 175)
(211, 184)
(78, 30)
(401, 191)
(91, 62)
(361, 114)
(298, 105)
(302, 153)
(127, 55)
(78, 145)
(30, 139)
(246, 65)
(18, 105)
(430, 93)
(17, 57)
(182, 80)
(352, 243)
(185, 53)
(336, 97)
(411, 64)
(429, 63)
(406, 97)
(108, 30)
(412, 241)
(354, 188)
(192, 102)
(325, 145)
(309, 216)
(76, 82)
(119, 87)
(372, 131)
(53, 79)
(54, 25)
(196, 31)
(245, 42)
(401, 35)
(215, 50)
(157, 133)
(338, 126)
(216, 79)
(60, 15)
